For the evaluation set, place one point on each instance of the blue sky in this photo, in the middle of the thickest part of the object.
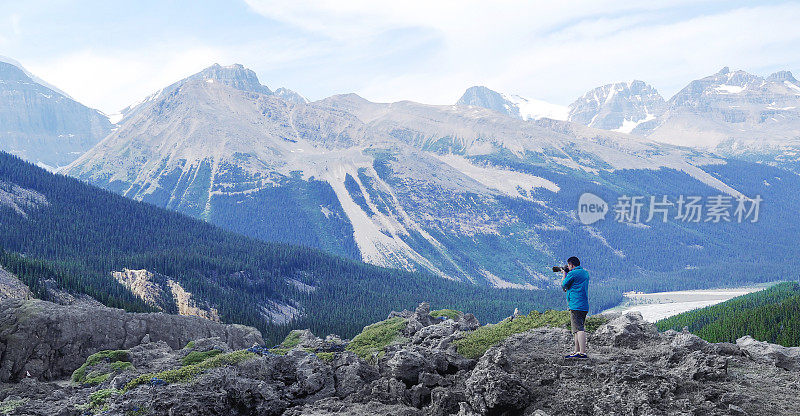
(110, 54)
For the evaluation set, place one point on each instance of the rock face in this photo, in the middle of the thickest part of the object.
(651, 374)
(12, 288)
(50, 341)
(42, 124)
(164, 293)
(19, 199)
(780, 356)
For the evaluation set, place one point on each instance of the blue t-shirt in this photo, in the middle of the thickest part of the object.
(576, 283)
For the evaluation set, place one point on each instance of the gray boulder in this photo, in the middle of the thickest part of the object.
(627, 330)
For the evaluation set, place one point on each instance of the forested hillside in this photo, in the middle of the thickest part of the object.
(768, 315)
(55, 230)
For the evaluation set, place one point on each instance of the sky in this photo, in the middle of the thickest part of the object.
(109, 54)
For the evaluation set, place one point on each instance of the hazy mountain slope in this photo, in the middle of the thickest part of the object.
(623, 107)
(65, 239)
(733, 112)
(41, 123)
(462, 191)
(511, 105)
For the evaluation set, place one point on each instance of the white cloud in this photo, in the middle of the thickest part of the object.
(554, 51)
(14, 20)
(430, 51)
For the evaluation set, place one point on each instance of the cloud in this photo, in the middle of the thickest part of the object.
(427, 51)
(14, 20)
(552, 51)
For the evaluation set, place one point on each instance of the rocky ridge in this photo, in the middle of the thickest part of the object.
(49, 341)
(633, 369)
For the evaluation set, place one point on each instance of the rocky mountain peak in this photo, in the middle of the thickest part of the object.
(236, 76)
(724, 71)
(484, 97)
(512, 105)
(621, 106)
(782, 76)
(41, 123)
(290, 96)
(10, 72)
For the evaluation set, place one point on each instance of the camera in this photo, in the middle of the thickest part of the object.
(559, 269)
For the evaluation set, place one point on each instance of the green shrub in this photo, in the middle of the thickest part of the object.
(279, 351)
(189, 372)
(139, 411)
(292, 340)
(477, 342)
(9, 405)
(189, 345)
(447, 313)
(97, 400)
(120, 366)
(96, 377)
(111, 356)
(325, 356)
(374, 338)
(195, 357)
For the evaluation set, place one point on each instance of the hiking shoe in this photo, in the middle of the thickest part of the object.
(582, 356)
(573, 355)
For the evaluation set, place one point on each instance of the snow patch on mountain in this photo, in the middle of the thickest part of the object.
(628, 125)
(532, 109)
(730, 89)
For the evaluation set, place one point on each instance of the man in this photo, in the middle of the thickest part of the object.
(576, 284)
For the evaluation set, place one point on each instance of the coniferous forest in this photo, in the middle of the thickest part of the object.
(768, 315)
(81, 234)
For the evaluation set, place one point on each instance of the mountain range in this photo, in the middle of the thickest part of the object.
(730, 113)
(474, 194)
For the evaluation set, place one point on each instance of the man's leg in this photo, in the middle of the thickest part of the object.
(580, 341)
(577, 344)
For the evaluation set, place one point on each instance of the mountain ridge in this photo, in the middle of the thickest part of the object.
(41, 123)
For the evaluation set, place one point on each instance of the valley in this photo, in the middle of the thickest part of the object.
(657, 306)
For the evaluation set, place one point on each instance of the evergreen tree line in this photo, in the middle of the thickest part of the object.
(767, 315)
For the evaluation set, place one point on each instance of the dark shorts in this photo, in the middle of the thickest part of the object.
(577, 319)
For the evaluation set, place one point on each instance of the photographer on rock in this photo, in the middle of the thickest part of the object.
(576, 284)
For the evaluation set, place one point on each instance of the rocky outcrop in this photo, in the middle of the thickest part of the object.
(20, 199)
(12, 288)
(632, 369)
(50, 341)
(164, 293)
(764, 352)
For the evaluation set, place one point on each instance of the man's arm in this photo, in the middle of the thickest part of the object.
(567, 282)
